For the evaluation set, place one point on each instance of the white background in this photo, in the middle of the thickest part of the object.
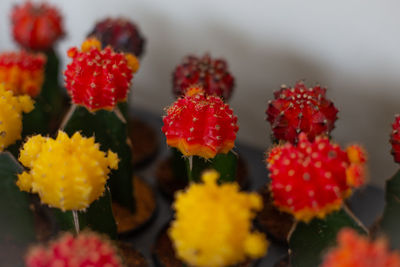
(351, 46)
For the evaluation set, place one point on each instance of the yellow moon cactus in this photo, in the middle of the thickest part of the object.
(11, 108)
(213, 224)
(67, 173)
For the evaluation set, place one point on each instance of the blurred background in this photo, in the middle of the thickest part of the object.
(352, 47)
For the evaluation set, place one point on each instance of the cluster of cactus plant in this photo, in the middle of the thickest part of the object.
(37, 27)
(70, 173)
(209, 77)
(86, 168)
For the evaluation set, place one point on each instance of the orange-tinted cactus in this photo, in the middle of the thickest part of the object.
(200, 125)
(354, 250)
(300, 109)
(311, 179)
(22, 72)
(36, 26)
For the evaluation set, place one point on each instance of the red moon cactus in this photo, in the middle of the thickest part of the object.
(200, 125)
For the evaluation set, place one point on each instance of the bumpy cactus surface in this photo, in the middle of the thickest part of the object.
(87, 249)
(67, 173)
(221, 213)
(121, 34)
(22, 72)
(98, 79)
(212, 74)
(357, 251)
(200, 125)
(300, 109)
(313, 178)
(36, 26)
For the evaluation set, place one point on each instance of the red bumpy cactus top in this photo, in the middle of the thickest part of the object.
(36, 26)
(212, 74)
(200, 125)
(312, 179)
(354, 250)
(121, 34)
(22, 72)
(97, 79)
(87, 249)
(395, 139)
(300, 109)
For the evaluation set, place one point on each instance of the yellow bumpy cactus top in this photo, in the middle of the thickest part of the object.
(11, 108)
(213, 224)
(67, 173)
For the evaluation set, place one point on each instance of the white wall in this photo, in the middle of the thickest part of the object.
(350, 46)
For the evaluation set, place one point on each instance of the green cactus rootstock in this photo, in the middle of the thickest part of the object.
(111, 132)
(98, 217)
(309, 241)
(389, 224)
(17, 221)
(49, 104)
(224, 164)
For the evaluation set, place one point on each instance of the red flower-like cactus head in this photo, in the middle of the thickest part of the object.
(87, 249)
(300, 109)
(311, 179)
(22, 72)
(200, 125)
(98, 79)
(357, 251)
(212, 74)
(395, 139)
(36, 26)
(121, 34)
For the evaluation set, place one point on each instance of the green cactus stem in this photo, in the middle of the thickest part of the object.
(98, 217)
(309, 241)
(224, 164)
(49, 104)
(389, 224)
(17, 223)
